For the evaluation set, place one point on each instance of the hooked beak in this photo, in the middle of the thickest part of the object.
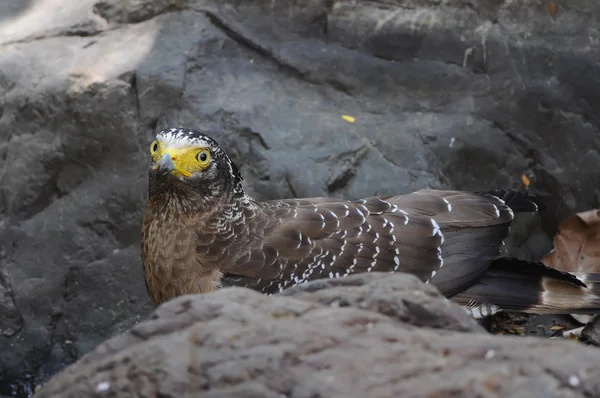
(165, 165)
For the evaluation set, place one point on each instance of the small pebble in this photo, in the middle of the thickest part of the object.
(574, 381)
(104, 386)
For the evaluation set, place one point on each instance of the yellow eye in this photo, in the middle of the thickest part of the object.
(203, 157)
(153, 147)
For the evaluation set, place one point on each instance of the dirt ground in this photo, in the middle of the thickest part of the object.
(548, 326)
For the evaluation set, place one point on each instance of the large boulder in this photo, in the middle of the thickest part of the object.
(239, 343)
(467, 95)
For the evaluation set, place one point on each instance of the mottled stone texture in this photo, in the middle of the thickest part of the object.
(239, 343)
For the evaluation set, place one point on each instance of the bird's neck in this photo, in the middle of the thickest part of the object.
(176, 199)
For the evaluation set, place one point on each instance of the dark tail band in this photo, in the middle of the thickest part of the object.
(511, 284)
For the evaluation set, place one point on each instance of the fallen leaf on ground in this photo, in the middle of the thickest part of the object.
(577, 244)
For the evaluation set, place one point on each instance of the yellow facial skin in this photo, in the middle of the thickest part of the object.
(187, 161)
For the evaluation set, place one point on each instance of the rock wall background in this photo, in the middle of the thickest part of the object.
(467, 95)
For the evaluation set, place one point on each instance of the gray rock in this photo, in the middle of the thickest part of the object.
(237, 342)
(467, 95)
(591, 331)
(402, 297)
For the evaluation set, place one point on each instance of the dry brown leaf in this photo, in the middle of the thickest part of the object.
(525, 180)
(577, 244)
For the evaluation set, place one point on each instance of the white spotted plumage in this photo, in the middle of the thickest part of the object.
(448, 205)
(396, 209)
(369, 235)
(181, 138)
(436, 227)
(497, 210)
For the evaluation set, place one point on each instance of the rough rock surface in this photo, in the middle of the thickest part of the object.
(468, 94)
(405, 299)
(591, 331)
(239, 343)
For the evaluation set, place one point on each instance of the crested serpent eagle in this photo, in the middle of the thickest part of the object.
(201, 231)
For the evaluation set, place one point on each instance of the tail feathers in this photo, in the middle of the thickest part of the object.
(591, 281)
(522, 286)
(519, 202)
